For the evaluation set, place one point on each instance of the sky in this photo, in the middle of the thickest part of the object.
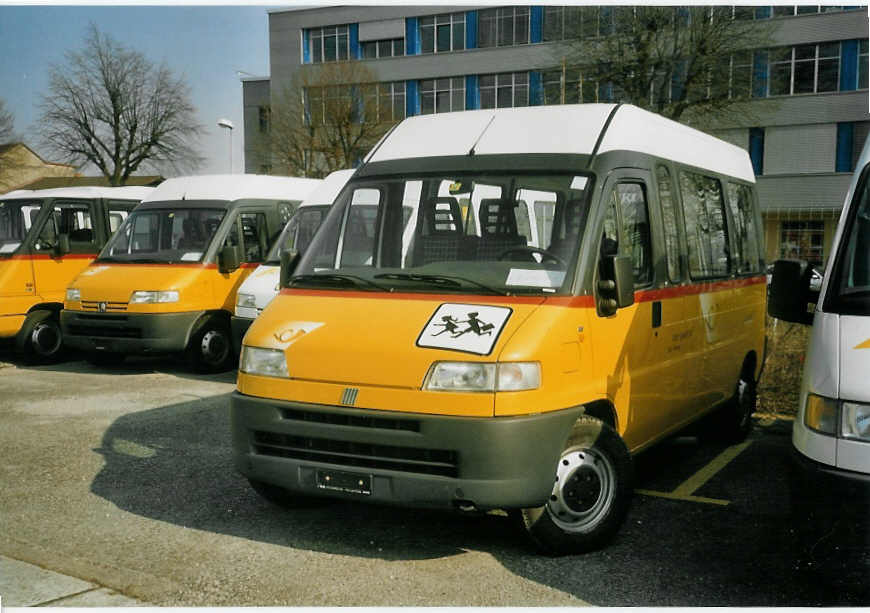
(206, 45)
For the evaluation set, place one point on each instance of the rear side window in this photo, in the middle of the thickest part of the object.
(706, 232)
(669, 221)
(747, 256)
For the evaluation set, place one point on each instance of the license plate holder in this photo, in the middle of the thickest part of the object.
(341, 481)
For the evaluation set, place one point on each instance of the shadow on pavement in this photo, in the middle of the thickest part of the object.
(174, 464)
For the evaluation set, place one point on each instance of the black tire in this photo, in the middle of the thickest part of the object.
(105, 358)
(210, 349)
(732, 422)
(280, 496)
(591, 494)
(40, 339)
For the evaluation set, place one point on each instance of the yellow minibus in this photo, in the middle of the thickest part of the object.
(167, 281)
(462, 364)
(47, 237)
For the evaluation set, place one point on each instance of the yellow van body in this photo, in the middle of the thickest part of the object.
(530, 394)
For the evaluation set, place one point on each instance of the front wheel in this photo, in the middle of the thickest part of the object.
(591, 493)
(210, 348)
(40, 339)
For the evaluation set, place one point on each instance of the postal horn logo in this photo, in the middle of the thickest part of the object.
(470, 328)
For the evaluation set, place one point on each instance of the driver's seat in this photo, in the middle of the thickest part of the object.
(498, 228)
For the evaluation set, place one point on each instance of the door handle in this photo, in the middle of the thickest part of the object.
(656, 314)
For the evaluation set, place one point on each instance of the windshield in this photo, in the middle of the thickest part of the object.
(16, 219)
(298, 232)
(163, 236)
(849, 293)
(462, 233)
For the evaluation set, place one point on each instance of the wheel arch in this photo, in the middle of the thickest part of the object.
(603, 410)
(55, 307)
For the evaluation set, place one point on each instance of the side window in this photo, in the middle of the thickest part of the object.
(254, 236)
(233, 239)
(631, 200)
(74, 219)
(669, 221)
(744, 230)
(358, 247)
(706, 233)
(117, 211)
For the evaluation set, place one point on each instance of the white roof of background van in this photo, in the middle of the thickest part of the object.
(233, 187)
(132, 192)
(326, 192)
(569, 128)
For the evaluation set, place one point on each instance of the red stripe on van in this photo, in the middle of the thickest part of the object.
(163, 264)
(46, 256)
(330, 293)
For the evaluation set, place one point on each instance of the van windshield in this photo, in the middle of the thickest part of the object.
(849, 293)
(298, 232)
(163, 236)
(16, 219)
(502, 233)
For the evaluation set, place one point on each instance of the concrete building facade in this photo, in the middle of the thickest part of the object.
(804, 128)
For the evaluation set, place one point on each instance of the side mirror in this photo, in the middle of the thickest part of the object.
(62, 245)
(289, 260)
(228, 259)
(618, 291)
(789, 294)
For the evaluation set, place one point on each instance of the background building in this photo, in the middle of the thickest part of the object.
(19, 166)
(804, 128)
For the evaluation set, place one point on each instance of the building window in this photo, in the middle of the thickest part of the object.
(391, 47)
(385, 102)
(265, 116)
(442, 33)
(442, 95)
(805, 69)
(862, 64)
(329, 44)
(504, 90)
(561, 22)
(571, 86)
(327, 102)
(804, 240)
(503, 27)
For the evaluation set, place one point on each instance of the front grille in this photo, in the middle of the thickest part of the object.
(104, 331)
(339, 419)
(111, 307)
(360, 455)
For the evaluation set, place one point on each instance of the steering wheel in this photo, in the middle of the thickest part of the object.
(545, 255)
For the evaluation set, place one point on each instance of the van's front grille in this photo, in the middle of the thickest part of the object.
(340, 419)
(359, 455)
(111, 307)
(104, 331)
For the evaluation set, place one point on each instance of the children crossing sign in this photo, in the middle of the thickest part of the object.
(471, 328)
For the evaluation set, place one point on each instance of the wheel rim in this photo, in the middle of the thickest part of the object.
(214, 347)
(45, 338)
(745, 402)
(584, 490)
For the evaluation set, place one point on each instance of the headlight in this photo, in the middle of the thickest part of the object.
(246, 300)
(264, 362)
(73, 295)
(820, 414)
(483, 377)
(147, 297)
(855, 421)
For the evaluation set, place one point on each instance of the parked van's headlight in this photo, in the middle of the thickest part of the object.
(483, 377)
(246, 300)
(146, 297)
(820, 414)
(73, 295)
(855, 421)
(263, 362)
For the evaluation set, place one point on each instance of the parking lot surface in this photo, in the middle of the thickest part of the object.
(122, 477)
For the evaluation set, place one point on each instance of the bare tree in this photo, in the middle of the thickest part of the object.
(329, 117)
(7, 124)
(688, 62)
(111, 107)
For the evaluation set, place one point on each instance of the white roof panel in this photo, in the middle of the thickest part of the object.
(233, 187)
(124, 193)
(326, 192)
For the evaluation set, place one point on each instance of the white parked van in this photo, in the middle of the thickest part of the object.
(262, 285)
(831, 433)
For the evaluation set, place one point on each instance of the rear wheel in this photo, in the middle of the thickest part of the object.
(732, 423)
(591, 493)
(210, 348)
(40, 338)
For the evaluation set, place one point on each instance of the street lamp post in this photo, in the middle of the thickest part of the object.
(226, 123)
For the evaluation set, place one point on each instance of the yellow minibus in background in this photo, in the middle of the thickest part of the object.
(47, 237)
(167, 281)
(473, 362)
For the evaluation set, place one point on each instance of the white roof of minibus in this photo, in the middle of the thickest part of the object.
(233, 187)
(569, 128)
(326, 192)
(131, 192)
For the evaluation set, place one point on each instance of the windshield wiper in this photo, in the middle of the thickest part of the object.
(452, 281)
(335, 279)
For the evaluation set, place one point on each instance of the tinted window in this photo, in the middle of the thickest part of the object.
(706, 235)
(747, 256)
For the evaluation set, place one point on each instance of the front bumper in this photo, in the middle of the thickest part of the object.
(411, 459)
(238, 326)
(128, 333)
